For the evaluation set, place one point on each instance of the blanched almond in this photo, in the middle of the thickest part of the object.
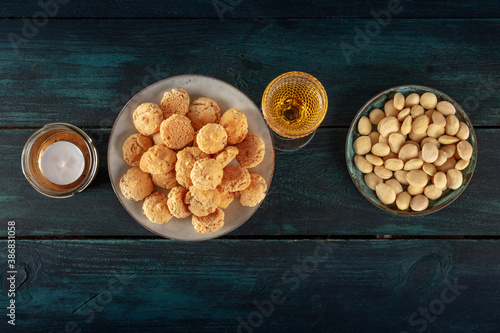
(464, 150)
(406, 125)
(403, 114)
(362, 164)
(428, 100)
(446, 108)
(431, 140)
(420, 124)
(452, 125)
(461, 164)
(463, 131)
(385, 193)
(449, 164)
(414, 190)
(416, 111)
(407, 152)
(394, 164)
(432, 192)
(413, 164)
(362, 145)
(419, 203)
(372, 180)
(388, 125)
(454, 178)
(389, 109)
(417, 178)
(400, 175)
(374, 136)
(396, 186)
(382, 172)
(439, 179)
(412, 99)
(396, 141)
(364, 126)
(447, 139)
(381, 149)
(376, 115)
(449, 150)
(438, 119)
(435, 131)
(429, 169)
(399, 101)
(429, 152)
(375, 160)
(403, 200)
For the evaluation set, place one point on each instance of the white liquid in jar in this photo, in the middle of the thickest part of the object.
(62, 163)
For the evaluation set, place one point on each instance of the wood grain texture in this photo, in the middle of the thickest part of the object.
(311, 194)
(330, 286)
(223, 9)
(84, 71)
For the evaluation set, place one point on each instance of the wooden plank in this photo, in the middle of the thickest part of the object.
(332, 286)
(224, 9)
(84, 71)
(311, 194)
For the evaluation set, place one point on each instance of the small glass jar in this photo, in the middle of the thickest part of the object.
(43, 139)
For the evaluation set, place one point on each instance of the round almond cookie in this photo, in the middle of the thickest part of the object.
(203, 111)
(235, 178)
(165, 180)
(226, 155)
(158, 159)
(147, 118)
(133, 148)
(251, 151)
(202, 203)
(235, 123)
(210, 223)
(185, 162)
(211, 138)
(254, 193)
(206, 174)
(176, 131)
(175, 101)
(176, 203)
(156, 209)
(226, 197)
(136, 184)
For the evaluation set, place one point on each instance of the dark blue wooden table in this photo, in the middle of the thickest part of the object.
(316, 256)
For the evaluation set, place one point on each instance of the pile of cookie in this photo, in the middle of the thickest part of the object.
(186, 148)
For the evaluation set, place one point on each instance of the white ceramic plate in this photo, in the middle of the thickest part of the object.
(227, 97)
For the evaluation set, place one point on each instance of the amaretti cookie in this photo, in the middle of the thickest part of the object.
(175, 101)
(165, 180)
(185, 162)
(147, 118)
(202, 203)
(176, 131)
(211, 138)
(209, 223)
(203, 111)
(158, 159)
(251, 151)
(235, 123)
(136, 184)
(235, 178)
(133, 148)
(176, 203)
(226, 155)
(206, 174)
(156, 209)
(254, 193)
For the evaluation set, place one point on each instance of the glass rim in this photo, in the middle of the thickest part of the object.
(302, 75)
(93, 167)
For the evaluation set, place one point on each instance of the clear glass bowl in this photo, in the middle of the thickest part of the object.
(43, 138)
(357, 176)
